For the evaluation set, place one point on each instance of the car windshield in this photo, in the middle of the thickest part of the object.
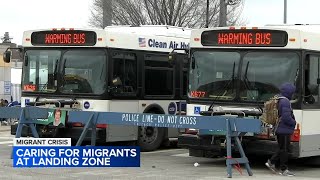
(214, 74)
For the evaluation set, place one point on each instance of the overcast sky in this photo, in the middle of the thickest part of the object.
(20, 15)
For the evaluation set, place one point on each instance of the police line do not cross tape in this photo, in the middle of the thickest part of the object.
(170, 121)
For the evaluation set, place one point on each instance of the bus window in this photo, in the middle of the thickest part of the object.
(84, 72)
(159, 78)
(39, 73)
(311, 72)
(125, 73)
(257, 84)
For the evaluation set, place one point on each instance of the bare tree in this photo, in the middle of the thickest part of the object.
(185, 13)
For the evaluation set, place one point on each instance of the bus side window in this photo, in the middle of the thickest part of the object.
(125, 73)
(159, 76)
(312, 79)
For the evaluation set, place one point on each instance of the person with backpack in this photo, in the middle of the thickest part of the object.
(284, 130)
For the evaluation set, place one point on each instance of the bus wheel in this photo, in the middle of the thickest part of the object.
(150, 138)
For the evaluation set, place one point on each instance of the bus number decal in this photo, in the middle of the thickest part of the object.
(29, 87)
(198, 93)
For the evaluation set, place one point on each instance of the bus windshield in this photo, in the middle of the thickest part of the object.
(82, 71)
(264, 72)
(214, 74)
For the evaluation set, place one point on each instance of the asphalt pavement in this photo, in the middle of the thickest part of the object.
(167, 163)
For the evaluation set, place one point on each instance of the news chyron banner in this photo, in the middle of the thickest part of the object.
(58, 152)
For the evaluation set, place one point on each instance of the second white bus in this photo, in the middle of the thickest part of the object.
(239, 68)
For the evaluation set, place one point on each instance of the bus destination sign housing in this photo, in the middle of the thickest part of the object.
(64, 38)
(245, 38)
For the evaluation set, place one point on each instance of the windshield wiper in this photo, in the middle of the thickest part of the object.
(247, 83)
(55, 70)
(246, 80)
(63, 72)
(225, 87)
(296, 78)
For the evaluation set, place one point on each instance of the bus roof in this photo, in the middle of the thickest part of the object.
(145, 37)
(269, 36)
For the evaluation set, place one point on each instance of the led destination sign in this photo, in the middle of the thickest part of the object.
(64, 38)
(254, 38)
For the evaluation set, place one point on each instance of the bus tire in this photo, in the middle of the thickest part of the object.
(150, 138)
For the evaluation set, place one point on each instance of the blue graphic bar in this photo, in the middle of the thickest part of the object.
(76, 156)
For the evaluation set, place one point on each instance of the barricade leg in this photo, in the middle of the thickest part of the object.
(233, 134)
(93, 135)
(94, 130)
(34, 131)
(229, 153)
(243, 156)
(19, 128)
(85, 130)
(20, 124)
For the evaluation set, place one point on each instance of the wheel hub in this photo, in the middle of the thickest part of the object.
(149, 134)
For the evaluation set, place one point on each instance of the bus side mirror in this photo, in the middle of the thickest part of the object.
(7, 56)
(172, 58)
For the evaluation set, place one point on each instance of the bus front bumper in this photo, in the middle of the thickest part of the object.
(206, 146)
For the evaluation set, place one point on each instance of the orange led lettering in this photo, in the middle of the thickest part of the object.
(231, 39)
(29, 87)
(198, 93)
(244, 38)
(263, 38)
(235, 38)
(268, 38)
(79, 38)
(220, 38)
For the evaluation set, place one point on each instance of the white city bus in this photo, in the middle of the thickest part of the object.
(116, 69)
(239, 68)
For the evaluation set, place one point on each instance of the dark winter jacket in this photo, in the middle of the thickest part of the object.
(287, 122)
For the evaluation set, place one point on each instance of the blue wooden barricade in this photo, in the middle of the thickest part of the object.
(25, 116)
(234, 127)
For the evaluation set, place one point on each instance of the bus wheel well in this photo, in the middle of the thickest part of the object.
(154, 108)
(151, 138)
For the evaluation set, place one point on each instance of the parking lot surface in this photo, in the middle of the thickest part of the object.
(167, 163)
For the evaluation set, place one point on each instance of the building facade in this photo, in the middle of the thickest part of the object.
(10, 73)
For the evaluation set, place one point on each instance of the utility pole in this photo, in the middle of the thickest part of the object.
(106, 13)
(285, 12)
(207, 15)
(223, 10)
(223, 13)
